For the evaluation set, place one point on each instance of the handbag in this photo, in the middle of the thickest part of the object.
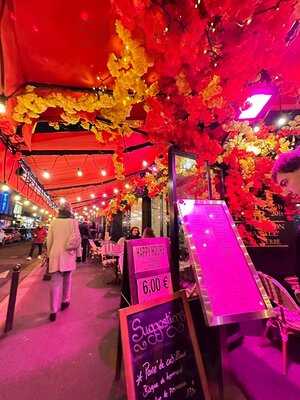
(74, 240)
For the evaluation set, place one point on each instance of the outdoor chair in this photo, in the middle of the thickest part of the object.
(112, 256)
(287, 313)
(95, 251)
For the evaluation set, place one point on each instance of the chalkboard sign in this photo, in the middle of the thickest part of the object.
(149, 269)
(229, 287)
(161, 355)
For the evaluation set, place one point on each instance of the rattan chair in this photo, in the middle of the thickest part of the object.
(287, 313)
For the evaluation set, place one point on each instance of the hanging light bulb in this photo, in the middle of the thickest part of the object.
(62, 200)
(78, 198)
(145, 163)
(5, 188)
(42, 211)
(2, 106)
(92, 195)
(103, 172)
(79, 172)
(26, 203)
(17, 197)
(34, 208)
(94, 206)
(104, 195)
(85, 208)
(116, 190)
(46, 174)
(103, 203)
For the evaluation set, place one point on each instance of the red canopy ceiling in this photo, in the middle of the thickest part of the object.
(65, 43)
(56, 42)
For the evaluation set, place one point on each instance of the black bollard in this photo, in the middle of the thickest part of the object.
(12, 298)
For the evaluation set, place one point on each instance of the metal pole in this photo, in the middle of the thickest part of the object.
(174, 225)
(209, 184)
(12, 298)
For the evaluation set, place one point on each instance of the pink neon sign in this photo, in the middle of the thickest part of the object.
(257, 102)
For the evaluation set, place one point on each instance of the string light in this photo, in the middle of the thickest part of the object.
(92, 195)
(46, 174)
(145, 163)
(17, 197)
(79, 172)
(78, 198)
(281, 121)
(2, 107)
(62, 200)
(94, 206)
(42, 211)
(127, 186)
(256, 128)
(34, 208)
(5, 188)
(103, 203)
(103, 172)
(26, 203)
(116, 190)
(85, 208)
(104, 195)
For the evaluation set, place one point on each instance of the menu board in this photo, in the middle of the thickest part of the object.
(228, 284)
(149, 269)
(161, 355)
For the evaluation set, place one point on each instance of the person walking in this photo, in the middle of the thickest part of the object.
(63, 240)
(85, 236)
(39, 236)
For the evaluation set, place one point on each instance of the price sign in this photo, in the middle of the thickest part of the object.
(154, 286)
(149, 269)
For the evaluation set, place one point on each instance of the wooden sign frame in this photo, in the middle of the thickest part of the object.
(204, 294)
(134, 276)
(125, 312)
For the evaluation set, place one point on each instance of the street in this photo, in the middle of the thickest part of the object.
(11, 255)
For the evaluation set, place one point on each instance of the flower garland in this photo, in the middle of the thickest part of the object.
(106, 115)
(153, 182)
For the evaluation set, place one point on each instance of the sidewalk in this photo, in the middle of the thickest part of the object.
(72, 358)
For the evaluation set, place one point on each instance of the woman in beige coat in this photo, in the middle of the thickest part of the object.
(62, 242)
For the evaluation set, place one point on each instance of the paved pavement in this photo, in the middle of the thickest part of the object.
(71, 358)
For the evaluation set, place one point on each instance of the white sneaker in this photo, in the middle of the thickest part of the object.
(29, 258)
(39, 257)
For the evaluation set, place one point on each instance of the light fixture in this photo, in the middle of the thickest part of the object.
(46, 174)
(94, 206)
(97, 208)
(256, 129)
(127, 186)
(34, 208)
(62, 200)
(78, 198)
(26, 203)
(145, 163)
(281, 121)
(5, 188)
(85, 208)
(42, 211)
(255, 105)
(104, 195)
(103, 172)
(34, 214)
(79, 172)
(17, 197)
(2, 105)
(92, 195)
(116, 190)
(103, 203)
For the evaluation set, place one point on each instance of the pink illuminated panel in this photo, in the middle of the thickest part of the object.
(229, 286)
(257, 103)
